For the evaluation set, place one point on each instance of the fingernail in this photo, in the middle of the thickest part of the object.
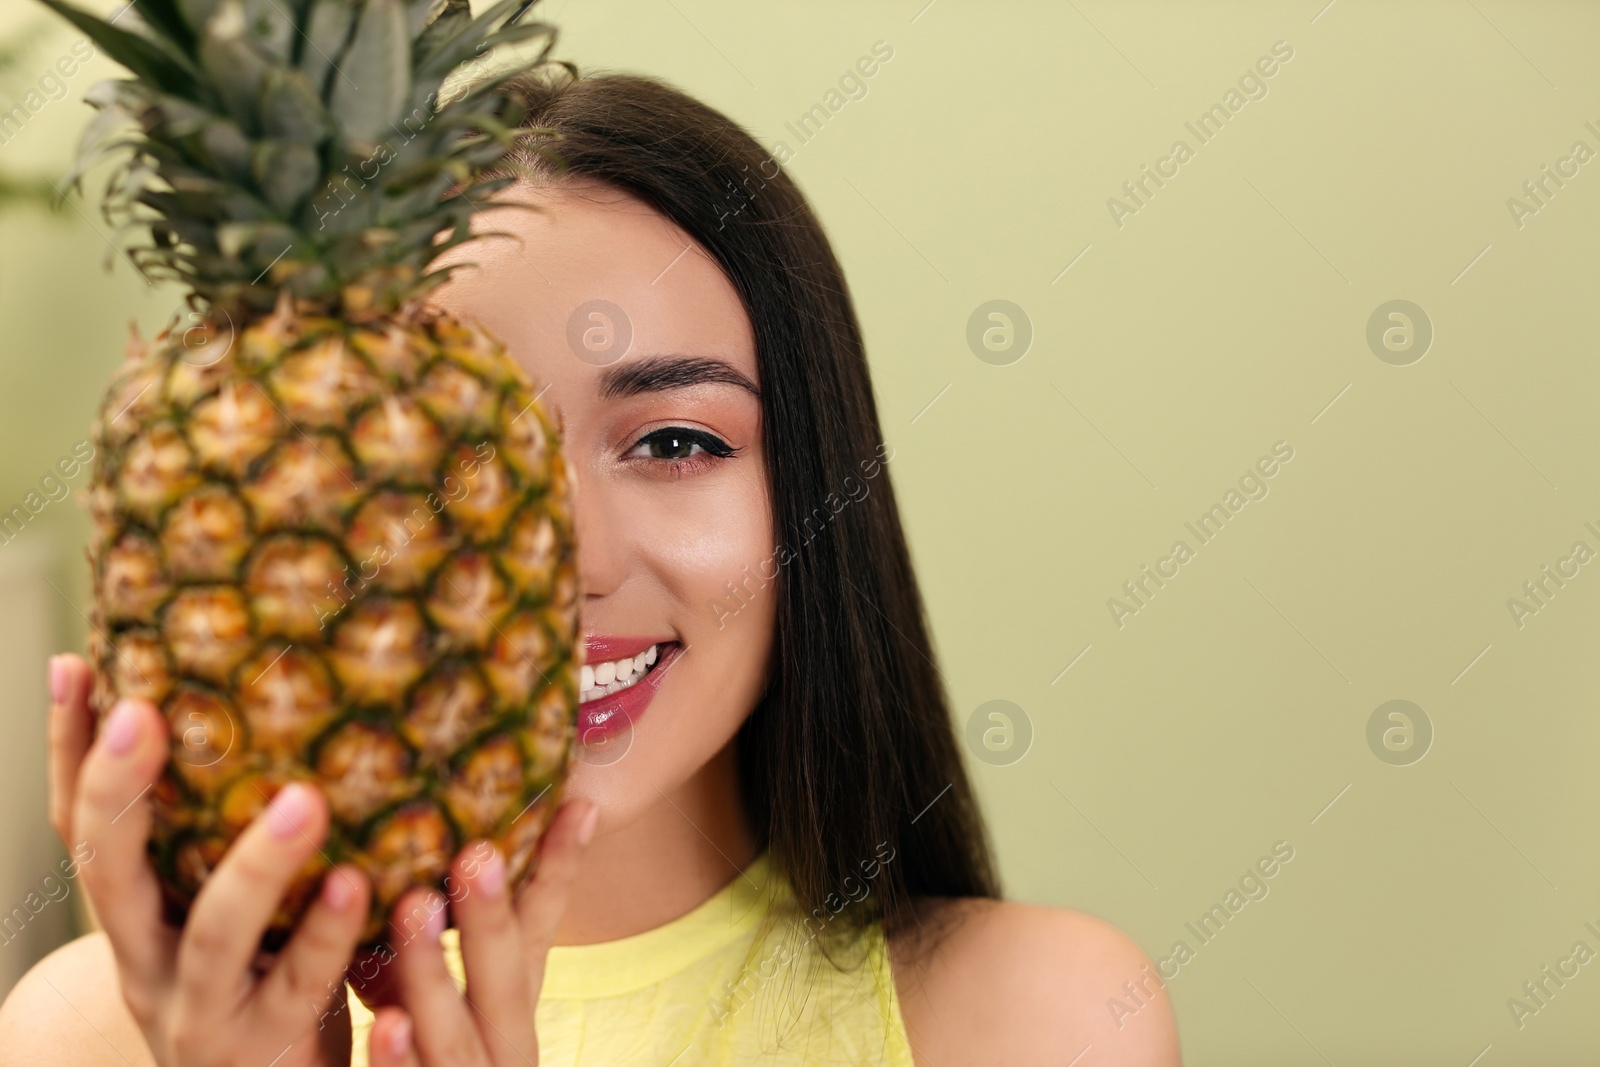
(586, 827)
(400, 1037)
(338, 890)
(491, 879)
(435, 927)
(122, 728)
(58, 680)
(289, 811)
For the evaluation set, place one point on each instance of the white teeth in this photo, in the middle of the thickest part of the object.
(603, 679)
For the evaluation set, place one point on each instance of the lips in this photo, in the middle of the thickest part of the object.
(599, 648)
(622, 700)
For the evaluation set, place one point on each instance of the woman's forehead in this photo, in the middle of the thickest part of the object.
(598, 276)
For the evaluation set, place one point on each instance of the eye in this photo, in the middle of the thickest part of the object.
(678, 444)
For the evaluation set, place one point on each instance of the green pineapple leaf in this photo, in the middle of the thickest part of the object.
(291, 109)
(147, 61)
(478, 36)
(233, 63)
(378, 65)
(226, 148)
(286, 173)
(300, 145)
(451, 20)
(166, 18)
(418, 14)
(326, 36)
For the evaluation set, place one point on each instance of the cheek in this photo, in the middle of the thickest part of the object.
(720, 551)
(685, 546)
(711, 550)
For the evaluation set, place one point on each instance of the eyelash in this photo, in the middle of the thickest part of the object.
(712, 449)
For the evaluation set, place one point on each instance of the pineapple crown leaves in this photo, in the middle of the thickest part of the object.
(307, 146)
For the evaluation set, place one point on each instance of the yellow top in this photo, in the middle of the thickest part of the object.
(738, 980)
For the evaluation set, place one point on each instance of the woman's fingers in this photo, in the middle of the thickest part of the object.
(112, 817)
(544, 900)
(71, 730)
(444, 1027)
(498, 985)
(237, 902)
(390, 1042)
(309, 973)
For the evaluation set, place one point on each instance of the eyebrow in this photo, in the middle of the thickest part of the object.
(660, 373)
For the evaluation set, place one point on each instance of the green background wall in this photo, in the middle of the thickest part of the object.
(1225, 315)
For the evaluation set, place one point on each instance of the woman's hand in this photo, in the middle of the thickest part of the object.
(194, 993)
(504, 945)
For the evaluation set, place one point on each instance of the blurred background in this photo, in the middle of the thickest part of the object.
(1340, 345)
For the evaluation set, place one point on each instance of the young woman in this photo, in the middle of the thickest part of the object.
(771, 852)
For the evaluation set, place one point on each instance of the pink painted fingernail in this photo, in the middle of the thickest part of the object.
(435, 927)
(491, 879)
(400, 1037)
(338, 890)
(289, 811)
(58, 680)
(122, 728)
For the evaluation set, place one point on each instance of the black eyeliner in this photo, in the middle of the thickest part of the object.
(713, 446)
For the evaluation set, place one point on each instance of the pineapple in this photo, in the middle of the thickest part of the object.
(332, 525)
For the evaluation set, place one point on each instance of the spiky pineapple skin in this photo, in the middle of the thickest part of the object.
(338, 552)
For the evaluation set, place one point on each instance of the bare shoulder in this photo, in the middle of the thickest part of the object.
(67, 1011)
(989, 981)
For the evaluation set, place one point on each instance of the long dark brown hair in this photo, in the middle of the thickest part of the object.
(850, 756)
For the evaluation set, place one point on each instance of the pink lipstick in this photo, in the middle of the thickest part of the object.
(620, 677)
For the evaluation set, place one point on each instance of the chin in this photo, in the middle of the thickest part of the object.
(629, 771)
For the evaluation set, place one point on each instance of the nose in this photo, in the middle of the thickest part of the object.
(602, 549)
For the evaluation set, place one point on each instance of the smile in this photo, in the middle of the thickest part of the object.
(611, 696)
(613, 676)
